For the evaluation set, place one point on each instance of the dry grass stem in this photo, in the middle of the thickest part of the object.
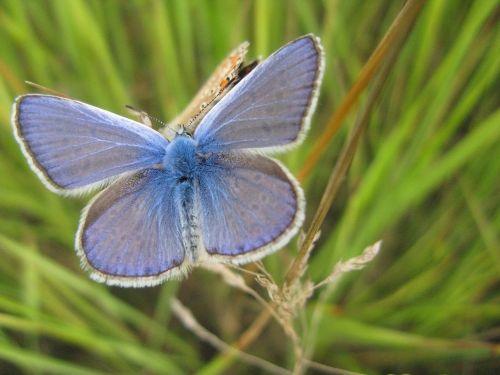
(189, 321)
(328, 369)
(303, 261)
(396, 32)
(231, 278)
(352, 264)
(344, 162)
(347, 154)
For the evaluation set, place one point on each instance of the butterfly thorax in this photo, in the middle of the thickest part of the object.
(184, 161)
(180, 159)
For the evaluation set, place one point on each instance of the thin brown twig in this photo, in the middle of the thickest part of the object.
(255, 329)
(406, 16)
(189, 321)
(399, 29)
(344, 162)
(46, 89)
(329, 369)
(348, 153)
(9, 77)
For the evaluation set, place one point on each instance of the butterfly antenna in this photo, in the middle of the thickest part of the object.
(46, 89)
(145, 117)
(161, 123)
(148, 120)
(226, 82)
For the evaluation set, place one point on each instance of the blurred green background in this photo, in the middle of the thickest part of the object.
(425, 179)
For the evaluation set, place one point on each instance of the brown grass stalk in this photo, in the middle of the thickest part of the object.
(405, 17)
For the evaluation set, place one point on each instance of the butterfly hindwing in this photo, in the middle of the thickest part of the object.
(73, 146)
(251, 206)
(131, 233)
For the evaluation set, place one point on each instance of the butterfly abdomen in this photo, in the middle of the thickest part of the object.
(189, 220)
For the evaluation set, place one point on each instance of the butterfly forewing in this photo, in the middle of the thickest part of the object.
(271, 106)
(73, 146)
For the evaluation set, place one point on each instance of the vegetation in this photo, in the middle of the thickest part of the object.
(424, 179)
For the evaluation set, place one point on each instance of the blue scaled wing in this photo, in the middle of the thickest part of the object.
(130, 234)
(250, 206)
(74, 146)
(271, 106)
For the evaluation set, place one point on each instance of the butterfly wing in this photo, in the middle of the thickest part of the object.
(250, 206)
(74, 146)
(214, 89)
(271, 106)
(130, 234)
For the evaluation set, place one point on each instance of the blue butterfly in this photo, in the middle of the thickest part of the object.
(208, 196)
